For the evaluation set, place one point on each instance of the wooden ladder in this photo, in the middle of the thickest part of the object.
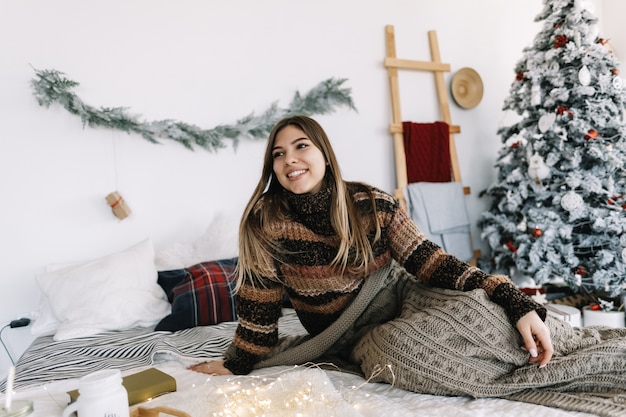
(438, 68)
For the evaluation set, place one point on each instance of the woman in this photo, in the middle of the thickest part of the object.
(308, 233)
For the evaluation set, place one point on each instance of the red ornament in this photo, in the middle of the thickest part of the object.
(596, 307)
(511, 246)
(519, 76)
(615, 71)
(581, 271)
(591, 134)
(536, 232)
(560, 41)
(610, 202)
(516, 144)
(561, 110)
(602, 41)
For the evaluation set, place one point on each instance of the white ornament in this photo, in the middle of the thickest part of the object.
(584, 76)
(571, 201)
(537, 168)
(618, 83)
(522, 227)
(535, 95)
(554, 66)
(546, 121)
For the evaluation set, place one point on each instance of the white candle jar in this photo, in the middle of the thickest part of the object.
(101, 394)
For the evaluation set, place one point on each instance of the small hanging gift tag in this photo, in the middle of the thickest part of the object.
(118, 205)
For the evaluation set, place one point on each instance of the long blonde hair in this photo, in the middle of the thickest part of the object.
(258, 254)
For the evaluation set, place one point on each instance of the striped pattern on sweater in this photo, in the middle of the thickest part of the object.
(319, 292)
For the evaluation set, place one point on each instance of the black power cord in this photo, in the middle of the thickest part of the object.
(13, 324)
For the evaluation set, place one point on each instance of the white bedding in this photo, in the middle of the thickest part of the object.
(199, 395)
(49, 369)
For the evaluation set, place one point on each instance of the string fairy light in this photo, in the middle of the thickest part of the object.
(300, 391)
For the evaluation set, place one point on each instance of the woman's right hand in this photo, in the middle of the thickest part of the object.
(211, 368)
(536, 336)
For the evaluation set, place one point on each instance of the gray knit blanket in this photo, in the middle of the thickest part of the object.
(443, 342)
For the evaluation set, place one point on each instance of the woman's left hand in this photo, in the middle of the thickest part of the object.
(536, 336)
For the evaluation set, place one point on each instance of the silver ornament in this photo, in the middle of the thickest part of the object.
(571, 201)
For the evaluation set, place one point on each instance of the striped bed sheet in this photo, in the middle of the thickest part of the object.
(47, 360)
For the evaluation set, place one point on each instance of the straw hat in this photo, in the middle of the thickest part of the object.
(467, 88)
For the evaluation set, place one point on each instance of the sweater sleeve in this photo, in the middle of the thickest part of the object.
(431, 264)
(258, 311)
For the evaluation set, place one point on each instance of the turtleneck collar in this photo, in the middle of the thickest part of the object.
(311, 203)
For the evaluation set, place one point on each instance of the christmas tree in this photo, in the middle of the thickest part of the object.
(558, 206)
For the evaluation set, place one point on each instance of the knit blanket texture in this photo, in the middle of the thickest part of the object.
(443, 342)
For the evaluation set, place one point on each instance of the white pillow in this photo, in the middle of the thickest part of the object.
(45, 322)
(219, 241)
(115, 292)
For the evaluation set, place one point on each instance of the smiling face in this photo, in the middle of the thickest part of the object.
(298, 164)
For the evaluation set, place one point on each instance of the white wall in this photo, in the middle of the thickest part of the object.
(612, 14)
(209, 63)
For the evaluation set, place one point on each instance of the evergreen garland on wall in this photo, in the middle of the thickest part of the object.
(51, 86)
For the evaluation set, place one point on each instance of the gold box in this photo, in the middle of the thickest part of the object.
(142, 386)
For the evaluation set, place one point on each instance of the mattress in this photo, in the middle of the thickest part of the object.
(48, 369)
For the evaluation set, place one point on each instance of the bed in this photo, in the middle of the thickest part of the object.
(49, 369)
(186, 317)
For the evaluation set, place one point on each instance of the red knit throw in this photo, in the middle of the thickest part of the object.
(427, 151)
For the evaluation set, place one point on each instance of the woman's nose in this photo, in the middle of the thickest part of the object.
(290, 158)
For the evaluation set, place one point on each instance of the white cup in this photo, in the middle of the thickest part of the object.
(101, 394)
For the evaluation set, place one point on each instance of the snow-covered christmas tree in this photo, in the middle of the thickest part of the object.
(558, 206)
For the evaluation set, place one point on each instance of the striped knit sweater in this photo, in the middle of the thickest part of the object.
(319, 293)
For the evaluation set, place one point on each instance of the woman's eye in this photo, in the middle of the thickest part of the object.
(302, 145)
(277, 155)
